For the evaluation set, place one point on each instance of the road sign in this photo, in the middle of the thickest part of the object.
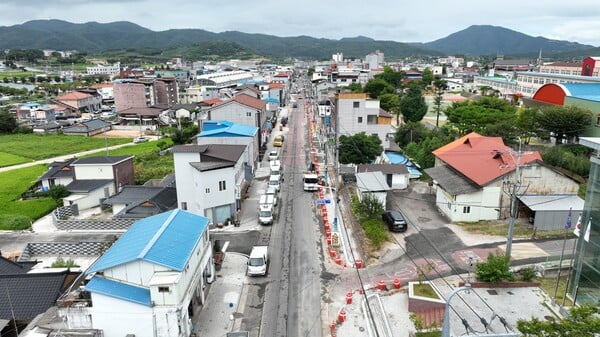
(323, 201)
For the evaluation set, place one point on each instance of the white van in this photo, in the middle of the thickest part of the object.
(265, 214)
(274, 181)
(275, 166)
(258, 260)
(272, 191)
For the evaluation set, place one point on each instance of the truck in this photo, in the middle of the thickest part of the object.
(258, 261)
(310, 181)
(265, 213)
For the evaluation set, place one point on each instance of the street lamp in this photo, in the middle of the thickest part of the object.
(446, 324)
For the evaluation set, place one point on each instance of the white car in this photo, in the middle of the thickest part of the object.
(273, 155)
(140, 139)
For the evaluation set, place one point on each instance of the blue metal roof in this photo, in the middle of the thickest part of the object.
(589, 91)
(119, 290)
(271, 99)
(398, 158)
(226, 129)
(167, 239)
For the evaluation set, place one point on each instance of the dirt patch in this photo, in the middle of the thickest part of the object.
(119, 134)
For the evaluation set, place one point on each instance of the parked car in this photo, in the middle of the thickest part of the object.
(278, 141)
(394, 220)
(140, 139)
(273, 155)
(284, 121)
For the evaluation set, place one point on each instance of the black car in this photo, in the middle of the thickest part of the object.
(284, 121)
(394, 220)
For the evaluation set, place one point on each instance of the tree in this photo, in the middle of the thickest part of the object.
(527, 124)
(412, 104)
(8, 123)
(391, 104)
(58, 192)
(392, 77)
(440, 86)
(564, 122)
(495, 269)
(582, 321)
(377, 87)
(428, 77)
(359, 148)
(489, 116)
(411, 132)
(355, 87)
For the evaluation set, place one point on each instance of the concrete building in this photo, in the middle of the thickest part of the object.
(115, 69)
(144, 92)
(223, 79)
(150, 282)
(375, 60)
(356, 112)
(210, 179)
(228, 133)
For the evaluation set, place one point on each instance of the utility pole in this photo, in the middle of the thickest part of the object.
(512, 188)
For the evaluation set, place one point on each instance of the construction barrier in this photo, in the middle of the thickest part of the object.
(342, 316)
(381, 285)
(349, 297)
(397, 283)
(358, 263)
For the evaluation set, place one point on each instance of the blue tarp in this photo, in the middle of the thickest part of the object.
(399, 158)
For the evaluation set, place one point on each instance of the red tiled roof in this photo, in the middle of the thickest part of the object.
(276, 85)
(247, 100)
(212, 101)
(102, 85)
(282, 75)
(482, 159)
(73, 96)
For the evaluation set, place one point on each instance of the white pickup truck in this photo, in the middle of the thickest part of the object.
(258, 260)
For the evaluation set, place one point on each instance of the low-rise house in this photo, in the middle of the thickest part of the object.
(97, 178)
(473, 174)
(59, 173)
(82, 102)
(396, 176)
(225, 132)
(87, 128)
(243, 109)
(373, 184)
(142, 201)
(210, 179)
(150, 282)
(26, 294)
(144, 118)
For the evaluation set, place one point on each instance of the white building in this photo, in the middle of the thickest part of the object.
(210, 179)
(115, 69)
(149, 280)
(471, 173)
(356, 112)
(375, 60)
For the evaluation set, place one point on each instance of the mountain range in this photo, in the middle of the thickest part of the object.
(96, 38)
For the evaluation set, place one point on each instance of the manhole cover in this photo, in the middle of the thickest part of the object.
(423, 219)
(492, 292)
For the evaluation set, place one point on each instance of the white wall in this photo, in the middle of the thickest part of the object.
(348, 119)
(237, 113)
(136, 272)
(119, 318)
(58, 181)
(93, 172)
(400, 181)
(482, 204)
(92, 199)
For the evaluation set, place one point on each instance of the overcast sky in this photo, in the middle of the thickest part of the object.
(396, 20)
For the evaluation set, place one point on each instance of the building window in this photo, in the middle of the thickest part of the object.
(222, 185)
(207, 190)
(248, 114)
(360, 119)
(597, 120)
(163, 289)
(371, 119)
(184, 205)
(467, 209)
(356, 104)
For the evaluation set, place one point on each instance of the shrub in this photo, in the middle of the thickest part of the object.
(527, 274)
(60, 263)
(375, 232)
(495, 269)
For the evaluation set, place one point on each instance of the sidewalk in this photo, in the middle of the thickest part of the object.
(219, 313)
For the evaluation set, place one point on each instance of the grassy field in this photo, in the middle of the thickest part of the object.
(17, 214)
(36, 147)
(501, 228)
(7, 159)
(548, 284)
